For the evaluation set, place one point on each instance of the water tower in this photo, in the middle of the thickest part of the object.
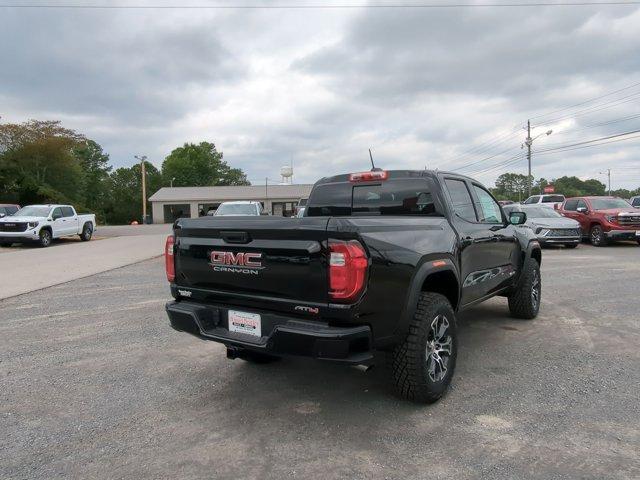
(287, 174)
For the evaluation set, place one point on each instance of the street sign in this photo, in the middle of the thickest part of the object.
(549, 189)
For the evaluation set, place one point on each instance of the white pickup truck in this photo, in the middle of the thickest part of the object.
(43, 223)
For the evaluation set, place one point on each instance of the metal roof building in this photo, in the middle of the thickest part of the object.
(170, 203)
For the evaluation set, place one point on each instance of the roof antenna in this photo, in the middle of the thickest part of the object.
(373, 167)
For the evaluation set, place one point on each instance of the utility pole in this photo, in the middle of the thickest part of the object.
(528, 142)
(608, 173)
(143, 159)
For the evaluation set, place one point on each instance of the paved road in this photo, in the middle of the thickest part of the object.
(94, 384)
(128, 230)
(28, 268)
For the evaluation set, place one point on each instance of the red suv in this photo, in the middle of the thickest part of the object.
(604, 218)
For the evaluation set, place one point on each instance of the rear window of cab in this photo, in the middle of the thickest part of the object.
(390, 197)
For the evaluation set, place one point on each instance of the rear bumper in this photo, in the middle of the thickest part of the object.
(281, 335)
(623, 234)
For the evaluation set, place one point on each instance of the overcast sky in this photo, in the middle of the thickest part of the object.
(319, 87)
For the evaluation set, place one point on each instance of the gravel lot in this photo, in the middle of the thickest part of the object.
(95, 384)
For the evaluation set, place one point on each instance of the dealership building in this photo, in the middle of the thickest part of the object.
(170, 203)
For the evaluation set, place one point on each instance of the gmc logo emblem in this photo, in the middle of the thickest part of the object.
(241, 262)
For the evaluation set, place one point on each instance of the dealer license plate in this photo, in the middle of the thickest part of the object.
(244, 322)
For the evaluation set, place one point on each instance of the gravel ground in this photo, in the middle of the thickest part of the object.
(95, 384)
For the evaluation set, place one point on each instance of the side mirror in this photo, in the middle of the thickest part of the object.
(517, 218)
(582, 210)
(2, 215)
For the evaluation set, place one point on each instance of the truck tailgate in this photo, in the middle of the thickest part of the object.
(277, 257)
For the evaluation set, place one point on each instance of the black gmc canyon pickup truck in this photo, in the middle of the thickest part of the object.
(381, 260)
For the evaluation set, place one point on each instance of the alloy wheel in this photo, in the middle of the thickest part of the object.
(535, 289)
(438, 351)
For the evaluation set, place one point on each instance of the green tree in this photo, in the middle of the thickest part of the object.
(200, 165)
(573, 186)
(125, 204)
(37, 163)
(511, 186)
(96, 184)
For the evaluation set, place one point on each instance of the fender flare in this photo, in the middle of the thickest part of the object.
(428, 267)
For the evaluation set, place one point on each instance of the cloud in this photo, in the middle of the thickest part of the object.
(435, 87)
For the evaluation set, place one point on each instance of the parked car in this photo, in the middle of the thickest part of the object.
(43, 223)
(8, 209)
(505, 202)
(239, 208)
(550, 201)
(550, 227)
(635, 201)
(604, 218)
(382, 260)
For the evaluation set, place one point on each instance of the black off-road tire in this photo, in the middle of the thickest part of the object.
(45, 238)
(87, 232)
(411, 361)
(597, 236)
(524, 301)
(256, 357)
(571, 245)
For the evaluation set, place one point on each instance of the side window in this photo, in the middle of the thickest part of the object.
(489, 210)
(571, 205)
(461, 199)
(636, 202)
(67, 212)
(582, 203)
(57, 213)
(531, 200)
(3, 210)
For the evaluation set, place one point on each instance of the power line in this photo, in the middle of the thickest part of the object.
(586, 101)
(560, 150)
(559, 147)
(483, 159)
(321, 7)
(594, 108)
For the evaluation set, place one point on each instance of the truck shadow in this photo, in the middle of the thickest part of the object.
(306, 385)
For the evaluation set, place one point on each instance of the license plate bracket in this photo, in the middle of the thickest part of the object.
(245, 322)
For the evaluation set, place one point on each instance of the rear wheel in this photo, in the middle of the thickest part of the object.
(44, 238)
(597, 236)
(524, 302)
(87, 232)
(423, 364)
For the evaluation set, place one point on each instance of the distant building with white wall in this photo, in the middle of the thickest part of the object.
(170, 203)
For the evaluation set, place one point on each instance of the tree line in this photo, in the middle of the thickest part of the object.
(44, 162)
(515, 187)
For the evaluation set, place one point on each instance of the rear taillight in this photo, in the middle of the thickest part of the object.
(169, 264)
(347, 270)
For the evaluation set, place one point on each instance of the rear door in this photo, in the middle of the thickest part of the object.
(248, 258)
(70, 221)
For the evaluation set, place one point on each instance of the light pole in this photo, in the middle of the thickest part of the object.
(143, 158)
(528, 142)
(172, 181)
(608, 174)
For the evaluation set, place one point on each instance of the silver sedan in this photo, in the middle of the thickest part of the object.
(549, 226)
